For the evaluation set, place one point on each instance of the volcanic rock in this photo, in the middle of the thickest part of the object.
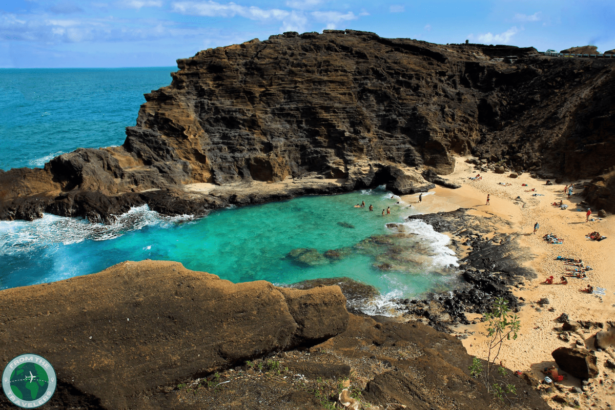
(351, 108)
(581, 50)
(578, 362)
(136, 326)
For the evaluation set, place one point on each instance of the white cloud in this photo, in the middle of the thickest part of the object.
(333, 18)
(304, 4)
(502, 38)
(526, 18)
(428, 27)
(137, 4)
(213, 9)
(296, 21)
(397, 9)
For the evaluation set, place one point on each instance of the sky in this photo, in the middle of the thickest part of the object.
(155, 33)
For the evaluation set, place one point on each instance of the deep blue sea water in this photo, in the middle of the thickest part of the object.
(46, 112)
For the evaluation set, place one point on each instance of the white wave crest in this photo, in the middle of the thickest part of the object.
(39, 162)
(21, 236)
(443, 256)
(383, 305)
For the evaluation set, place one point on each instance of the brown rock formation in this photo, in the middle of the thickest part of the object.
(132, 335)
(581, 50)
(136, 326)
(345, 105)
(577, 362)
(610, 52)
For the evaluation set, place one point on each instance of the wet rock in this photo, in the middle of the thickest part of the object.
(307, 257)
(578, 362)
(356, 293)
(337, 254)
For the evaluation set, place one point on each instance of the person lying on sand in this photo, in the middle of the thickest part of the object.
(589, 289)
(548, 281)
(578, 275)
(553, 373)
(563, 280)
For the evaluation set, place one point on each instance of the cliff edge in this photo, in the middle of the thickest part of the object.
(332, 112)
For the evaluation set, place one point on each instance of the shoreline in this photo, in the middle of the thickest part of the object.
(538, 336)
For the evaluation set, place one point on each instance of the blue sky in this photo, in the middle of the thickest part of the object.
(136, 33)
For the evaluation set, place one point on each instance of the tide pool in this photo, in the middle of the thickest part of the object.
(244, 244)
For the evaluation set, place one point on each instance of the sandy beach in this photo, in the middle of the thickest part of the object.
(538, 337)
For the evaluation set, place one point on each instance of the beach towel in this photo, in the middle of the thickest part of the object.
(599, 291)
(564, 206)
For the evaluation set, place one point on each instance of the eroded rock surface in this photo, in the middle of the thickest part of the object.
(115, 335)
(346, 106)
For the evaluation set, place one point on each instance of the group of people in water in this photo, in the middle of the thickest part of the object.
(371, 208)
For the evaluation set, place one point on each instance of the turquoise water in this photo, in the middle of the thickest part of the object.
(47, 112)
(241, 244)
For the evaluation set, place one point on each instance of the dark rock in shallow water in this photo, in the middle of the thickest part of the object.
(346, 225)
(337, 254)
(307, 256)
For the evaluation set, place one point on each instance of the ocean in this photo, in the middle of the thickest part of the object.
(47, 112)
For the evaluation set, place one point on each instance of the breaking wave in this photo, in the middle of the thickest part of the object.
(20, 236)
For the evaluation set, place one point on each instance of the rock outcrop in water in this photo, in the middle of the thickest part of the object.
(335, 111)
(154, 335)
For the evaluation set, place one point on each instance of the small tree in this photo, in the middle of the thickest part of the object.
(502, 326)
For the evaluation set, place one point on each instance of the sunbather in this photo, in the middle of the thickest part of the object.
(548, 281)
(564, 281)
(588, 289)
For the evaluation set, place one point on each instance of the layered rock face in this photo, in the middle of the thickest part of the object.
(343, 105)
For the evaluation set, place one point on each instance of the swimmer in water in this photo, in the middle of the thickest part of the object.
(371, 207)
(357, 206)
(383, 212)
(388, 210)
(362, 204)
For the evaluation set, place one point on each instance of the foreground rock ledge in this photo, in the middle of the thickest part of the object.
(124, 338)
(136, 326)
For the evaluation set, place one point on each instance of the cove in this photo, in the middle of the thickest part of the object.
(283, 242)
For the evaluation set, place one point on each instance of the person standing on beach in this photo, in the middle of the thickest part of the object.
(589, 212)
(569, 191)
(487, 200)
(536, 226)
(565, 188)
(421, 197)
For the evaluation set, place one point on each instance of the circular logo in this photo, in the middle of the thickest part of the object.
(29, 381)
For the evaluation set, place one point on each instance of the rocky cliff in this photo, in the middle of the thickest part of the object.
(345, 106)
(154, 335)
